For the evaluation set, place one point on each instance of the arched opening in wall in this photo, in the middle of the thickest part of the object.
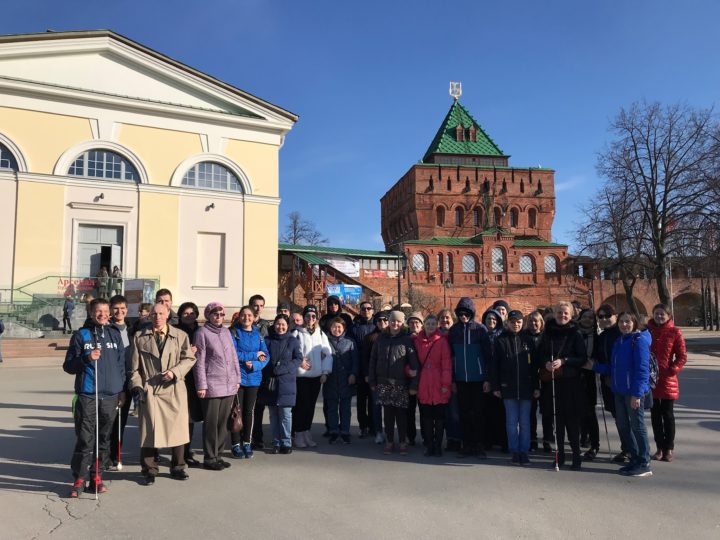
(440, 216)
(527, 264)
(449, 262)
(514, 217)
(210, 175)
(688, 309)
(532, 218)
(420, 262)
(7, 159)
(104, 164)
(486, 186)
(551, 264)
(459, 217)
(467, 185)
(477, 217)
(522, 186)
(497, 214)
(440, 261)
(449, 184)
(469, 263)
(620, 303)
(498, 259)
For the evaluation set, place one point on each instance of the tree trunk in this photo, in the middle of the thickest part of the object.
(661, 282)
(628, 283)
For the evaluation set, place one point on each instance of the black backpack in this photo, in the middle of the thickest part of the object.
(653, 379)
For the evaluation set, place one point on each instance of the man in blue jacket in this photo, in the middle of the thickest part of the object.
(471, 354)
(96, 357)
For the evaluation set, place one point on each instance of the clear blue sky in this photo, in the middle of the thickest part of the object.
(369, 80)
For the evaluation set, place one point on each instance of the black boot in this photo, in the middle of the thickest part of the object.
(437, 437)
(426, 428)
(576, 461)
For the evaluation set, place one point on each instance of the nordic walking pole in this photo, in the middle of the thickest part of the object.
(119, 419)
(552, 375)
(602, 404)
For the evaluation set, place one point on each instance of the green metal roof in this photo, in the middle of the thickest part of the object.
(325, 250)
(445, 141)
(311, 259)
(525, 241)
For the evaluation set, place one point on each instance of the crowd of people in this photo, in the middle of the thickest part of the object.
(478, 383)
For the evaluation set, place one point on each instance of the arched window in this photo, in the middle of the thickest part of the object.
(477, 217)
(514, 217)
(532, 218)
(439, 262)
(522, 186)
(419, 262)
(449, 184)
(103, 164)
(498, 259)
(467, 184)
(209, 175)
(440, 216)
(526, 264)
(469, 263)
(448, 262)
(551, 264)
(459, 217)
(7, 159)
(498, 216)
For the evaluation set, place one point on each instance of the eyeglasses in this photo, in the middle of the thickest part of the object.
(218, 313)
(310, 316)
(366, 308)
(603, 316)
(382, 319)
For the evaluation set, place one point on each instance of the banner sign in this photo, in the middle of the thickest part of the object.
(348, 294)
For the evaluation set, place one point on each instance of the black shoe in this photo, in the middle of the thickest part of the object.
(149, 479)
(275, 450)
(286, 450)
(515, 458)
(327, 433)
(561, 459)
(345, 439)
(213, 466)
(622, 457)
(428, 452)
(591, 454)
(363, 433)
(524, 460)
(465, 452)
(480, 454)
(333, 438)
(180, 475)
(224, 463)
(576, 463)
(452, 445)
(584, 442)
(411, 442)
(533, 446)
(258, 445)
(437, 450)
(547, 447)
(192, 462)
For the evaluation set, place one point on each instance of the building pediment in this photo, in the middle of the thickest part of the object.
(102, 63)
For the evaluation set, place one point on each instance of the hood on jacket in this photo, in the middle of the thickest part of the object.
(498, 318)
(466, 304)
(333, 300)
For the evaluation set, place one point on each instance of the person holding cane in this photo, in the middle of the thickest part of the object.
(96, 357)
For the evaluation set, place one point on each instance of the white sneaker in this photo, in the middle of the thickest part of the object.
(309, 441)
(300, 439)
(380, 437)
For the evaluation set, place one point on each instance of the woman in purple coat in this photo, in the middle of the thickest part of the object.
(217, 379)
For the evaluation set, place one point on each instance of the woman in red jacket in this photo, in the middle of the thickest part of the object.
(435, 385)
(668, 346)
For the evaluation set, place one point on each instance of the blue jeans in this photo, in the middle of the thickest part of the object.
(631, 427)
(281, 425)
(517, 414)
(339, 413)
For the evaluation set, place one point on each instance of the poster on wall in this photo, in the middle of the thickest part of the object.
(139, 291)
(349, 294)
(349, 267)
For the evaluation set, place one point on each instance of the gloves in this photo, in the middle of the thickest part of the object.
(138, 395)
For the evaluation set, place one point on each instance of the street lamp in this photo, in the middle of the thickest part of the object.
(402, 266)
(447, 284)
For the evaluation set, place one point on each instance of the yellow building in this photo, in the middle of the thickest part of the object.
(113, 154)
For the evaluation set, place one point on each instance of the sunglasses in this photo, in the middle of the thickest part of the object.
(603, 316)
(366, 308)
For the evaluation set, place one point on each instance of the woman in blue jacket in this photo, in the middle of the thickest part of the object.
(253, 357)
(629, 371)
(339, 387)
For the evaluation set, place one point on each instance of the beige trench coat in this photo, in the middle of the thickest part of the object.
(163, 417)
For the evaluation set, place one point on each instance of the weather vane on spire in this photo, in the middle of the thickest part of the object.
(455, 90)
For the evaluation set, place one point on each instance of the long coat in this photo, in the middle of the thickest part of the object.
(163, 417)
(668, 346)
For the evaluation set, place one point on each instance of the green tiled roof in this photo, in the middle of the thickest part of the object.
(312, 259)
(524, 241)
(325, 250)
(445, 141)
(442, 241)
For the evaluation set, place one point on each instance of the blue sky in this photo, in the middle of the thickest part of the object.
(369, 80)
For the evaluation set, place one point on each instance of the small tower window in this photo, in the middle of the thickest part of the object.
(440, 216)
(460, 133)
(459, 217)
(514, 217)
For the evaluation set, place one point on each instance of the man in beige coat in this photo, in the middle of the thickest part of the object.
(161, 357)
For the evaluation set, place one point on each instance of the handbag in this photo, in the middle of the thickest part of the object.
(548, 376)
(235, 422)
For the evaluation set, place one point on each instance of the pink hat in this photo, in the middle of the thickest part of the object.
(213, 306)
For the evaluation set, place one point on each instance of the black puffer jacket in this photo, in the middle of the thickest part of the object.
(563, 342)
(390, 357)
(514, 370)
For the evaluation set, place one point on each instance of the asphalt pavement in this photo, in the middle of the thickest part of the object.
(352, 491)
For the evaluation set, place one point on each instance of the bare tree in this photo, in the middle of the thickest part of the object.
(662, 157)
(302, 231)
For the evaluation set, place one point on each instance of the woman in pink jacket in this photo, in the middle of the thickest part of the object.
(435, 384)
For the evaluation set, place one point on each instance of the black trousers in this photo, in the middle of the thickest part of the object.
(568, 400)
(395, 415)
(67, 323)
(472, 403)
(432, 424)
(533, 420)
(83, 458)
(215, 413)
(149, 464)
(663, 423)
(116, 437)
(496, 432)
(546, 412)
(247, 396)
(257, 433)
(589, 426)
(364, 407)
(411, 421)
(308, 390)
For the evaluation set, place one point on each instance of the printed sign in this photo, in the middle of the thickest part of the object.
(349, 294)
(349, 267)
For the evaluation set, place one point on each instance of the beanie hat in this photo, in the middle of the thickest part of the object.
(515, 314)
(501, 303)
(309, 309)
(396, 315)
(416, 315)
(212, 306)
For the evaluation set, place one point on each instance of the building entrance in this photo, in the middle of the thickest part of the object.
(98, 246)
